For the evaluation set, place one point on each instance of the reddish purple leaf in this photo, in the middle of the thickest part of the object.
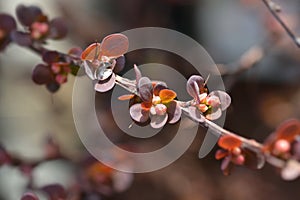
(58, 28)
(174, 112)
(55, 191)
(7, 23)
(21, 38)
(194, 86)
(29, 196)
(114, 45)
(195, 114)
(138, 114)
(106, 85)
(224, 98)
(158, 121)
(145, 89)
(28, 14)
(120, 64)
(50, 57)
(42, 74)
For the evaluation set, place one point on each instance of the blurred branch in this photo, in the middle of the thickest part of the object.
(274, 10)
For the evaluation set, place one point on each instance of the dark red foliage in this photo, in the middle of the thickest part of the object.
(29, 196)
(7, 25)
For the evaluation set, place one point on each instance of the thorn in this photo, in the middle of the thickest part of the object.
(205, 83)
(130, 125)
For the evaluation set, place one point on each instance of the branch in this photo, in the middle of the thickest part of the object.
(274, 10)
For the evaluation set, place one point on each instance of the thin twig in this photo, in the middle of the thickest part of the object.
(274, 10)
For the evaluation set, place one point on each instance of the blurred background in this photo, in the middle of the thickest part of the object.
(238, 34)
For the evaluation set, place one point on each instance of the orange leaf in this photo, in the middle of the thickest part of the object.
(288, 130)
(167, 95)
(146, 105)
(92, 52)
(229, 142)
(126, 97)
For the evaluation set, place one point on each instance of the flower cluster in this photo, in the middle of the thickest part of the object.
(233, 152)
(101, 60)
(37, 26)
(285, 144)
(55, 70)
(211, 104)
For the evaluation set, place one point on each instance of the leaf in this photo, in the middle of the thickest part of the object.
(28, 14)
(50, 56)
(225, 99)
(29, 196)
(158, 121)
(92, 52)
(21, 38)
(52, 86)
(120, 64)
(195, 114)
(58, 28)
(288, 130)
(194, 85)
(174, 112)
(253, 159)
(215, 113)
(126, 97)
(42, 74)
(114, 45)
(138, 74)
(7, 23)
(55, 191)
(106, 85)
(158, 87)
(138, 114)
(291, 171)
(229, 142)
(145, 89)
(167, 95)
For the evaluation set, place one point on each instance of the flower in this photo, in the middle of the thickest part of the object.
(210, 105)
(7, 25)
(100, 60)
(155, 102)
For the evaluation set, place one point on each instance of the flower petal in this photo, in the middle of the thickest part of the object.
(224, 98)
(158, 121)
(167, 95)
(138, 114)
(174, 112)
(145, 89)
(89, 68)
(106, 85)
(114, 45)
